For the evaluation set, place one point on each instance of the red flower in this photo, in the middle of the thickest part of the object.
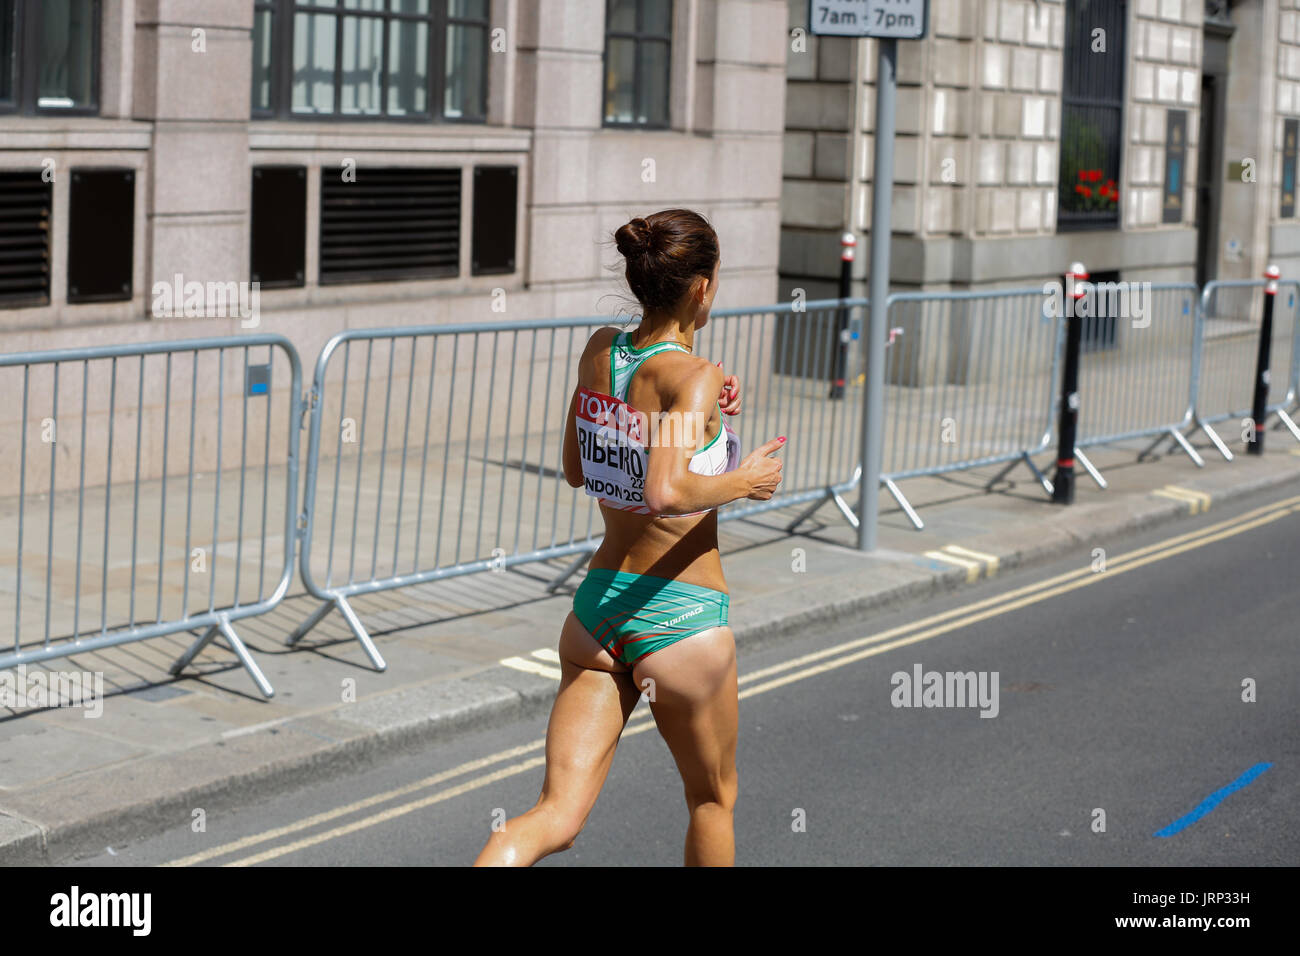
(1086, 191)
(1096, 175)
(1083, 175)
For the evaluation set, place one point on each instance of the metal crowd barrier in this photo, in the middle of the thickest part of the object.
(1231, 311)
(194, 538)
(436, 451)
(969, 381)
(1137, 372)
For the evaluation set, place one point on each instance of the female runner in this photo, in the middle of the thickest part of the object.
(651, 614)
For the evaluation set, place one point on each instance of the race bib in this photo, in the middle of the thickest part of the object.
(612, 444)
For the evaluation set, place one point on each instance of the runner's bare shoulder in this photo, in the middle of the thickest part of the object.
(595, 355)
(683, 378)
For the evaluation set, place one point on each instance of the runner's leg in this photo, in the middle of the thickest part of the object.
(696, 708)
(595, 700)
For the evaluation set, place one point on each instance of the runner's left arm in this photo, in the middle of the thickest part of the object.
(572, 459)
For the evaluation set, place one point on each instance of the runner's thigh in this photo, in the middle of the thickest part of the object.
(694, 704)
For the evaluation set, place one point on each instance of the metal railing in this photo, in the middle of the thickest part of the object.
(969, 381)
(436, 451)
(1137, 377)
(1225, 361)
(133, 562)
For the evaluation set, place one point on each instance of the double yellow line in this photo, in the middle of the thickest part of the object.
(755, 682)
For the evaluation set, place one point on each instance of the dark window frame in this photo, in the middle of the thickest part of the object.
(439, 23)
(638, 36)
(1072, 100)
(26, 64)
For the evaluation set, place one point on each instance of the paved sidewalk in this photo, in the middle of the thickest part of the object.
(165, 746)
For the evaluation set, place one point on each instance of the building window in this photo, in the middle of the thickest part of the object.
(1092, 115)
(638, 36)
(370, 59)
(49, 56)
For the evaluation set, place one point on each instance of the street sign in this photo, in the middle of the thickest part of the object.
(889, 19)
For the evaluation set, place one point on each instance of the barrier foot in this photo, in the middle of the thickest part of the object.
(367, 644)
(808, 513)
(1187, 447)
(317, 616)
(183, 661)
(1289, 422)
(240, 650)
(568, 572)
(1090, 469)
(1041, 478)
(904, 504)
(845, 510)
(1214, 438)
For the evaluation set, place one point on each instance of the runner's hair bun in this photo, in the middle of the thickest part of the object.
(666, 253)
(634, 239)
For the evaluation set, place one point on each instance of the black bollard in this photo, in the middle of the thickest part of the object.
(1063, 481)
(1259, 409)
(847, 244)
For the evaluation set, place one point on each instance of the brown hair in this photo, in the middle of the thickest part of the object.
(665, 252)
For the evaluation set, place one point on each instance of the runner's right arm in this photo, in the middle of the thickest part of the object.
(671, 487)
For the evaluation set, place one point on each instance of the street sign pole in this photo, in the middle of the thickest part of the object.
(882, 200)
(888, 21)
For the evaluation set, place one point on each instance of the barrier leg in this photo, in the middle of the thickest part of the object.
(367, 644)
(1041, 478)
(845, 510)
(904, 504)
(1214, 438)
(240, 649)
(183, 661)
(317, 616)
(246, 659)
(1289, 422)
(1091, 469)
(570, 570)
(1187, 447)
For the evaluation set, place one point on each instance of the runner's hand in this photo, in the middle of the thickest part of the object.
(730, 397)
(762, 471)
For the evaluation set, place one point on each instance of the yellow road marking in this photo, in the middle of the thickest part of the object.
(1197, 501)
(986, 608)
(972, 567)
(532, 667)
(990, 560)
(328, 815)
(1202, 496)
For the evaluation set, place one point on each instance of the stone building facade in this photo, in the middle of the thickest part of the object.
(602, 111)
(1006, 112)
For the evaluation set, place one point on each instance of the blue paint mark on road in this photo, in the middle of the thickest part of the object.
(1212, 801)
